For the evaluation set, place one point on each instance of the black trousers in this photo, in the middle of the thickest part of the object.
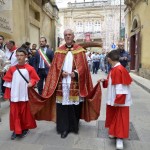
(42, 74)
(95, 67)
(68, 118)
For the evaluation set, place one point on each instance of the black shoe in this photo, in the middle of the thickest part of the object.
(64, 134)
(24, 133)
(13, 136)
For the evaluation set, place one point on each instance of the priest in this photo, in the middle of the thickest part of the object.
(68, 94)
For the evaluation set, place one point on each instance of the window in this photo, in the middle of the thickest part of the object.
(97, 27)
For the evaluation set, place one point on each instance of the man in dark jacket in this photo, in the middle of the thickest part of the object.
(124, 55)
(43, 58)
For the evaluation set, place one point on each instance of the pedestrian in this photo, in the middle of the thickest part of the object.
(88, 57)
(95, 60)
(32, 58)
(125, 57)
(17, 81)
(102, 61)
(43, 58)
(10, 52)
(107, 65)
(67, 88)
(2, 42)
(118, 100)
(34, 46)
(10, 58)
(2, 61)
(28, 44)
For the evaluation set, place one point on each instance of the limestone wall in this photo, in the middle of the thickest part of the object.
(25, 20)
(142, 11)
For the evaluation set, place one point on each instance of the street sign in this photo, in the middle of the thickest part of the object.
(113, 46)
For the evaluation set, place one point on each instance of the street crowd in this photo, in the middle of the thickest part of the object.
(65, 92)
(98, 61)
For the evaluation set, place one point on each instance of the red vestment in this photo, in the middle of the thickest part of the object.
(44, 107)
(20, 114)
(117, 117)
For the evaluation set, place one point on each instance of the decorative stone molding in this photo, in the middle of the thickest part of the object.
(6, 23)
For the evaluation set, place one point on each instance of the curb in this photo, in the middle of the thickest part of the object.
(141, 85)
(142, 82)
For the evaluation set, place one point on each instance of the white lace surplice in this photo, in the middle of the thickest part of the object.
(67, 67)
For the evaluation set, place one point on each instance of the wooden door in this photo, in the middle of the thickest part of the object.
(132, 52)
(137, 51)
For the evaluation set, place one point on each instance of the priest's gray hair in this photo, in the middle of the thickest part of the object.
(69, 31)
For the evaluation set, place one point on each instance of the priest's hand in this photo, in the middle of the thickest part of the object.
(72, 75)
(65, 74)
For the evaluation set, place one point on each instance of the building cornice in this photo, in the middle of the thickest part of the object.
(132, 3)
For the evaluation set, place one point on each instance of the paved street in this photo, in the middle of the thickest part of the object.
(44, 137)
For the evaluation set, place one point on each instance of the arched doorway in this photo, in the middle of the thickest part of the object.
(135, 44)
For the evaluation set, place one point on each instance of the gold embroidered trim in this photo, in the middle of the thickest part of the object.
(78, 51)
(60, 51)
(73, 98)
(74, 51)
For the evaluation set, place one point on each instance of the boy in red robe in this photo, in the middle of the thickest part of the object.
(16, 90)
(118, 101)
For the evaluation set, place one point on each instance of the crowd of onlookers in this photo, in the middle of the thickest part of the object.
(98, 61)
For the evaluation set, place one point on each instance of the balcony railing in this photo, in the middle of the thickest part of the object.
(89, 4)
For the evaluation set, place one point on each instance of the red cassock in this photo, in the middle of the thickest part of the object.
(117, 118)
(20, 114)
(44, 107)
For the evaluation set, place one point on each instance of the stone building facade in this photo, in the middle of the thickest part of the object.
(138, 35)
(28, 20)
(93, 20)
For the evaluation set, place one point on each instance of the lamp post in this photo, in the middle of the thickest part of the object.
(120, 22)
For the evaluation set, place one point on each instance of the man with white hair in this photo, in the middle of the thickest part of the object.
(124, 55)
(67, 89)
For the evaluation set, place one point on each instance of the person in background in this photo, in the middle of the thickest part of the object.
(102, 61)
(11, 52)
(118, 100)
(95, 60)
(2, 42)
(32, 58)
(2, 61)
(34, 46)
(124, 55)
(43, 59)
(28, 44)
(88, 56)
(10, 58)
(107, 65)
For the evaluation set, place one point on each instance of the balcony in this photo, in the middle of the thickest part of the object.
(88, 4)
